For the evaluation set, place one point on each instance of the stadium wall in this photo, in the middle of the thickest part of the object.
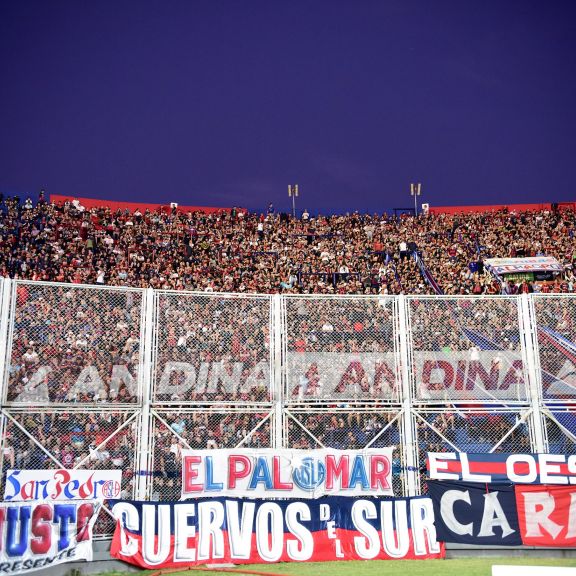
(499, 207)
(106, 377)
(133, 206)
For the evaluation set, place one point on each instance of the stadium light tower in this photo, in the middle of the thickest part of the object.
(415, 190)
(293, 193)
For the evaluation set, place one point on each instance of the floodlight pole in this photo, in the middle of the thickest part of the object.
(415, 190)
(292, 193)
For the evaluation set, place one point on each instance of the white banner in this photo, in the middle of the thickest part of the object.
(346, 376)
(282, 473)
(335, 375)
(520, 265)
(61, 484)
(42, 534)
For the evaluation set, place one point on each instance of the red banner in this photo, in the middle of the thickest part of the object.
(547, 515)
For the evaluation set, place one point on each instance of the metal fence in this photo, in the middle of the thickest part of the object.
(105, 377)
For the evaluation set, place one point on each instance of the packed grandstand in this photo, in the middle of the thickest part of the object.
(235, 251)
(75, 354)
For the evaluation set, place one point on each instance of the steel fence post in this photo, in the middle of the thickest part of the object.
(529, 337)
(405, 397)
(276, 369)
(143, 448)
(5, 303)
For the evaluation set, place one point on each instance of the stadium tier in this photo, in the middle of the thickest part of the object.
(235, 251)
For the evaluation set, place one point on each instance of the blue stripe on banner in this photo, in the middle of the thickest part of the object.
(479, 340)
(560, 338)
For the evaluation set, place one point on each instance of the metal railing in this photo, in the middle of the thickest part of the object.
(106, 377)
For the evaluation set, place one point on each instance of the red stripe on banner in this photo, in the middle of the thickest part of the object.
(488, 468)
(553, 342)
(562, 469)
(486, 208)
(133, 206)
(547, 515)
(325, 549)
(454, 466)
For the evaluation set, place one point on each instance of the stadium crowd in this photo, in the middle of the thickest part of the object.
(236, 251)
(72, 344)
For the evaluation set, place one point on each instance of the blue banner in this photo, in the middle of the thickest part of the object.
(473, 513)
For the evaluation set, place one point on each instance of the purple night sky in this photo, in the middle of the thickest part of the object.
(222, 102)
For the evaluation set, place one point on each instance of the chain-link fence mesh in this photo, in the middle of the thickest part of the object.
(212, 348)
(345, 429)
(342, 348)
(466, 350)
(74, 344)
(215, 363)
(561, 430)
(473, 431)
(52, 440)
(556, 332)
(177, 430)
